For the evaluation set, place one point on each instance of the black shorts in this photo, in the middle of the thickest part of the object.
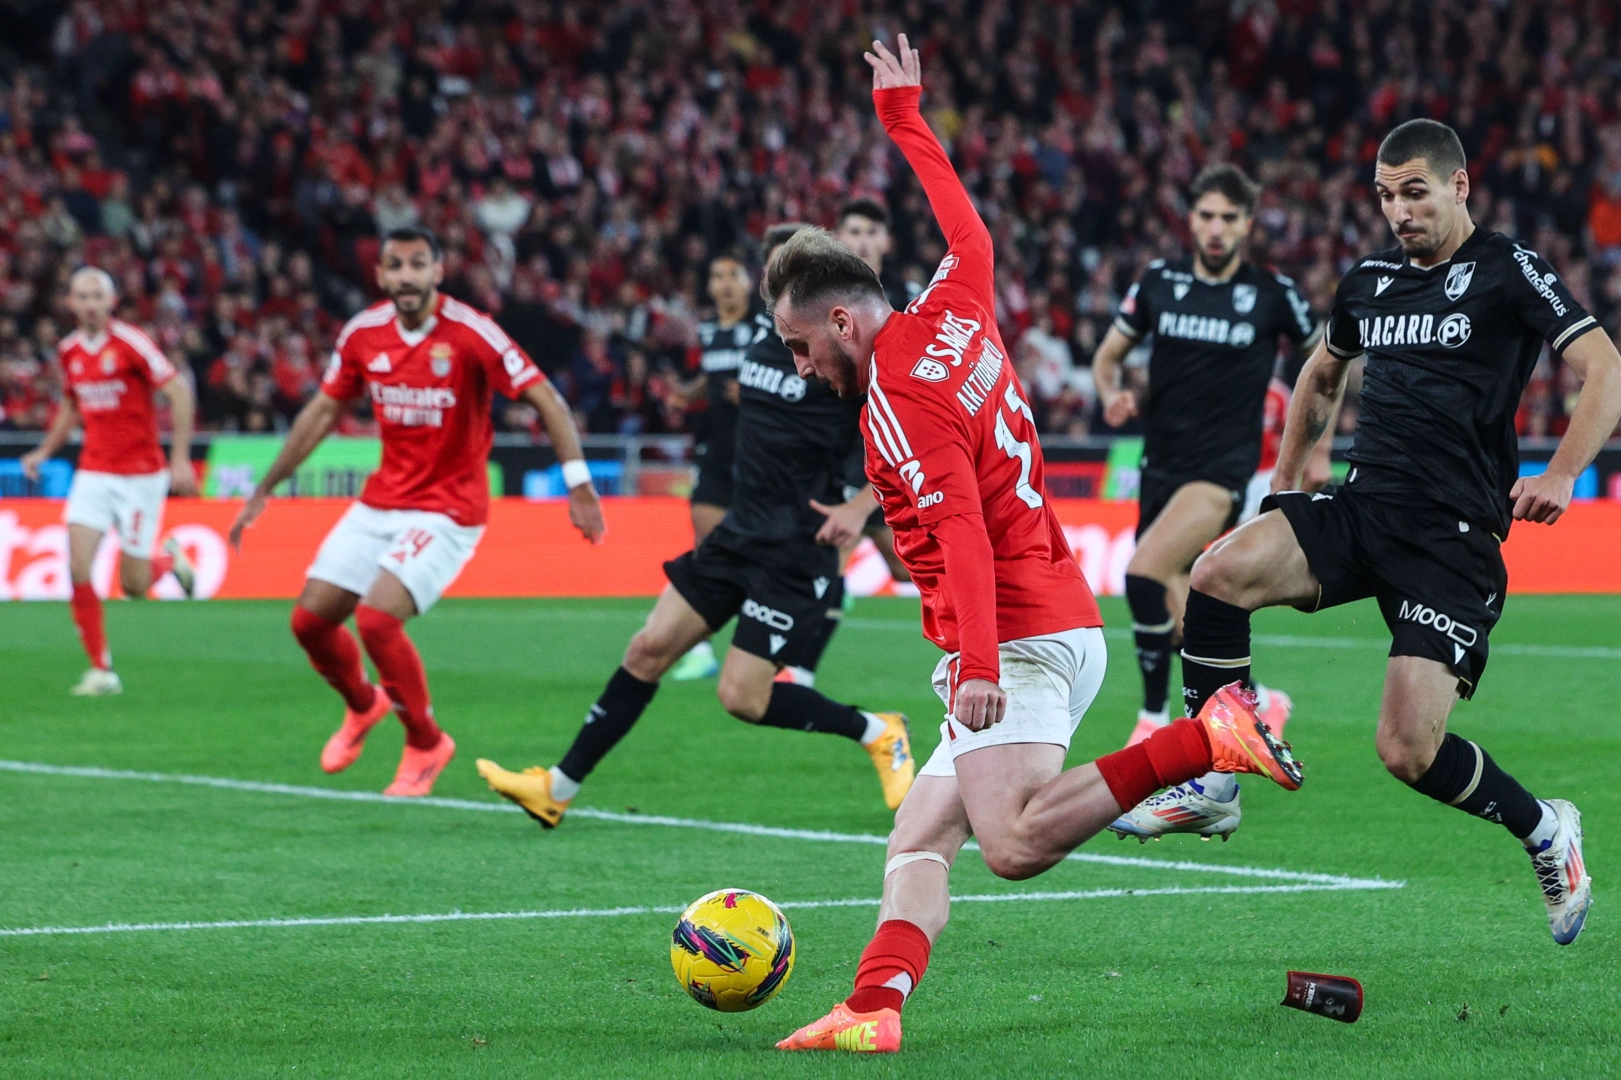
(1439, 580)
(715, 452)
(1156, 489)
(786, 610)
(714, 486)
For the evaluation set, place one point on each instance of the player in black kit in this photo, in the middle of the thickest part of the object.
(1451, 322)
(1216, 321)
(722, 343)
(773, 563)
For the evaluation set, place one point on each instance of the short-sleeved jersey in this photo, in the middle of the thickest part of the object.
(794, 440)
(1215, 346)
(110, 377)
(430, 391)
(1449, 351)
(948, 431)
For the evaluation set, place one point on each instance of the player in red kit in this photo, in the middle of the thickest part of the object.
(429, 365)
(953, 457)
(110, 371)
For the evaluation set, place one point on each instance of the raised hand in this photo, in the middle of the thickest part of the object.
(890, 71)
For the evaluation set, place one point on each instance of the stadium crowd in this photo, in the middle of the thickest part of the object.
(232, 163)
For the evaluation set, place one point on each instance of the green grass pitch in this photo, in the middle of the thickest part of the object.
(1462, 978)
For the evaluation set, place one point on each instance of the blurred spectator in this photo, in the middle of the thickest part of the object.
(232, 165)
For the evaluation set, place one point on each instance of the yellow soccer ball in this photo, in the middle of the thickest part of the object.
(732, 950)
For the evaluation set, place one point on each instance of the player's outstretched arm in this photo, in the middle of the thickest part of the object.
(1312, 409)
(62, 425)
(1598, 409)
(182, 422)
(313, 423)
(584, 508)
(897, 83)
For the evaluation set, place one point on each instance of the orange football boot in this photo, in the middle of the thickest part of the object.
(343, 749)
(420, 768)
(1240, 743)
(862, 1033)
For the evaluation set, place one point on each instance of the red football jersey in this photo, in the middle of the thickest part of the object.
(949, 434)
(111, 378)
(430, 391)
(1274, 413)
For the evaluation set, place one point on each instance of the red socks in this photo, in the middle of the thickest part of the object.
(400, 669)
(891, 966)
(335, 655)
(1174, 754)
(162, 563)
(87, 617)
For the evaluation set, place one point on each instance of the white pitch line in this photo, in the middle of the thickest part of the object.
(775, 832)
(620, 912)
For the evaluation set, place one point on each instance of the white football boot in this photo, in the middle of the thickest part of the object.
(183, 571)
(98, 682)
(1185, 808)
(1566, 888)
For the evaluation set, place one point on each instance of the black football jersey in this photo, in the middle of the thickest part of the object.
(794, 438)
(720, 354)
(1449, 351)
(1215, 347)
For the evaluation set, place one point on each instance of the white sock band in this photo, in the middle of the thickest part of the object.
(906, 857)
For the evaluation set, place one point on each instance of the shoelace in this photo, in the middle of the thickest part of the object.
(1550, 875)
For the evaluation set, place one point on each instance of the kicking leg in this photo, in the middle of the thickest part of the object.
(1194, 516)
(1415, 746)
(750, 692)
(672, 628)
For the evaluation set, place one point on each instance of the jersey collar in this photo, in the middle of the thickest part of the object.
(94, 344)
(416, 337)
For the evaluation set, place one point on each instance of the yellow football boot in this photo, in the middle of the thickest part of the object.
(530, 789)
(891, 755)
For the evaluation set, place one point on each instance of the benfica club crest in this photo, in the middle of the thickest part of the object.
(109, 361)
(1458, 279)
(440, 360)
(1243, 299)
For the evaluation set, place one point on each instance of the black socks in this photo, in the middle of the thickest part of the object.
(1151, 626)
(1215, 648)
(613, 715)
(804, 709)
(1465, 776)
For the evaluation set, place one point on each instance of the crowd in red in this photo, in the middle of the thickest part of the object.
(232, 162)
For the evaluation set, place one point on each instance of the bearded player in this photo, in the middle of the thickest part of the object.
(1451, 322)
(952, 455)
(429, 365)
(110, 372)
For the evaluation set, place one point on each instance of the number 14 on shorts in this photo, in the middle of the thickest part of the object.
(410, 545)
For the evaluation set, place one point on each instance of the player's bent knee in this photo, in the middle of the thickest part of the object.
(647, 658)
(1406, 761)
(1017, 858)
(742, 699)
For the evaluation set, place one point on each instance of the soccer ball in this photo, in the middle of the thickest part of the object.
(732, 950)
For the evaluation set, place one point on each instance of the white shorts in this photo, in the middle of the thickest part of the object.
(1260, 486)
(1050, 682)
(425, 550)
(131, 504)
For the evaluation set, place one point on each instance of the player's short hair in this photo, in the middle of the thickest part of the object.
(407, 234)
(813, 267)
(99, 274)
(1228, 181)
(1431, 140)
(778, 235)
(870, 209)
(729, 254)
